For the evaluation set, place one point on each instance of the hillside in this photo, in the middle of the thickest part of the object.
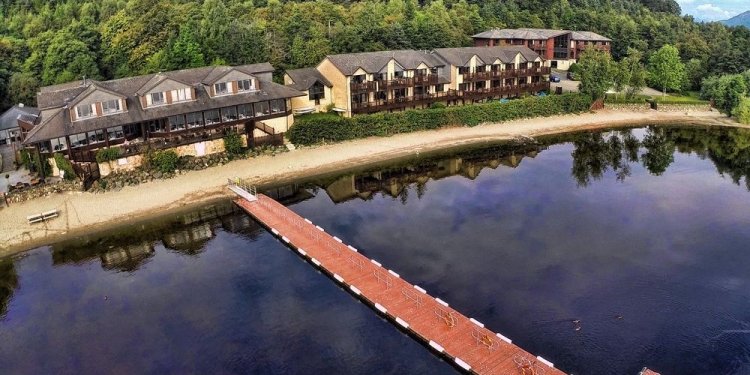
(742, 19)
(48, 42)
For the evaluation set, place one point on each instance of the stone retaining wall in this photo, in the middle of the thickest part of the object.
(638, 107)
(44, 190)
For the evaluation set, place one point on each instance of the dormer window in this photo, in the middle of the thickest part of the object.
(220, 88)
(181, 95)
(111, 106)
(157, 98)
(84, 111)
(244, 85)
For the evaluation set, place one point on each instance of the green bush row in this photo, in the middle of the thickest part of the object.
(317, 128)
(64, 165)
(108, 154)
(164, 161)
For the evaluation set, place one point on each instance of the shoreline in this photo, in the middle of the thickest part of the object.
(85, 212)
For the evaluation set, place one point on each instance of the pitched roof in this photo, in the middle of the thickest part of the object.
(538, 34)
(304, 78)
(374, 62)
(59, 95)
(9, 119)
(589, 36)
(460, 56)
(56, 120)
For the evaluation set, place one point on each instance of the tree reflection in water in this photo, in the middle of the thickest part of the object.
(597, 153)
(8, 284)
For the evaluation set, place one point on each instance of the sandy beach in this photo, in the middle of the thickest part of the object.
(83, 212)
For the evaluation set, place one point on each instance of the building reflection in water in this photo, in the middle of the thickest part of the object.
(395, 181)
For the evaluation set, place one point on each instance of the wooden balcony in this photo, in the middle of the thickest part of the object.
(485, 93)
(399, 103)
(360, 87)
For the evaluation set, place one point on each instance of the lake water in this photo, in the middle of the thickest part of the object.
(641, 235)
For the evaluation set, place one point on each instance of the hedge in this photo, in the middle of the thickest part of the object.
(64, 165)
(165, 161)
(233, 144)
(108, 154)
(317, 128)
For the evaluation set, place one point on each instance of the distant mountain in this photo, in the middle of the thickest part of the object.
(742, 19)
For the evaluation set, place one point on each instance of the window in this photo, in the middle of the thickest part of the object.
(245, 111)
(229, 114)
(111, 106)
(463, 87)
(176, 123)
(262, 109)
(212, 117)
(440, 88)
(194, 120)
(421, 72)
(220, 88)
(84, 111)
(359, 78)
(463, 70)
(398, 74)
(157, 127)
(115, 133)
(157, 98)
(59, 144)
(182, 95)
(277, 105)
(479, 68)
(132, 130)
(317, 92)
(78, 140)
(381, 76)
(96, 136)
(434, 70)
(244, 85)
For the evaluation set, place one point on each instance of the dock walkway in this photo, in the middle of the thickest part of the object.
(463, 341)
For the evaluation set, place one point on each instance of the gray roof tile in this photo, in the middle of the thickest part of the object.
(373, 62)
(306, 77)
(9, 118)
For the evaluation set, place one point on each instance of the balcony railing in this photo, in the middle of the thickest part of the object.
(507, 73)
(363, 86)
(484, 93)
(397, 82)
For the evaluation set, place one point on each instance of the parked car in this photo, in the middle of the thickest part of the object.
(554, 79)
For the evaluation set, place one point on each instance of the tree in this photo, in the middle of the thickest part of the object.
(742, 111)
(630, 74)
(183, 52)
(597, 73)
(67, 59)
(23, 88)
(659, 151)
(665, 69)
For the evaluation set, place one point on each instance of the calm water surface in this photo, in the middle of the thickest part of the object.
(641, 235)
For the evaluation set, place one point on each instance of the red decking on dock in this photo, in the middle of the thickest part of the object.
(463, 340)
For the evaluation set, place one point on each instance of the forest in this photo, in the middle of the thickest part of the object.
(44, 42)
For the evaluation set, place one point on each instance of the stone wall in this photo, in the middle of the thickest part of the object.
(639, 107)
(120, 165)
(201, 148)
(44, 190)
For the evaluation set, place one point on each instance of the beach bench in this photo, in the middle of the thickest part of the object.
(44, 216)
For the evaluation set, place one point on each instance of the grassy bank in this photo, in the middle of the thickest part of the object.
(318, 128)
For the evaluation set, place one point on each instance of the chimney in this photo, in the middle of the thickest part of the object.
(84, 81)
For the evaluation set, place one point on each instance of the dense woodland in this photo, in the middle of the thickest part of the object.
(44, 42)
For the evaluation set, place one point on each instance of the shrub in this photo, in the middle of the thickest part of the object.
(316, 128)
(742, 111)
(165, 161)
(108, 154)
(233, 144)
(437, 105)
(64, 165)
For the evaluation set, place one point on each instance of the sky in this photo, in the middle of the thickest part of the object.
(713, 10)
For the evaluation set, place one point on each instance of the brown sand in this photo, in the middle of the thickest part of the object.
(84, 212)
